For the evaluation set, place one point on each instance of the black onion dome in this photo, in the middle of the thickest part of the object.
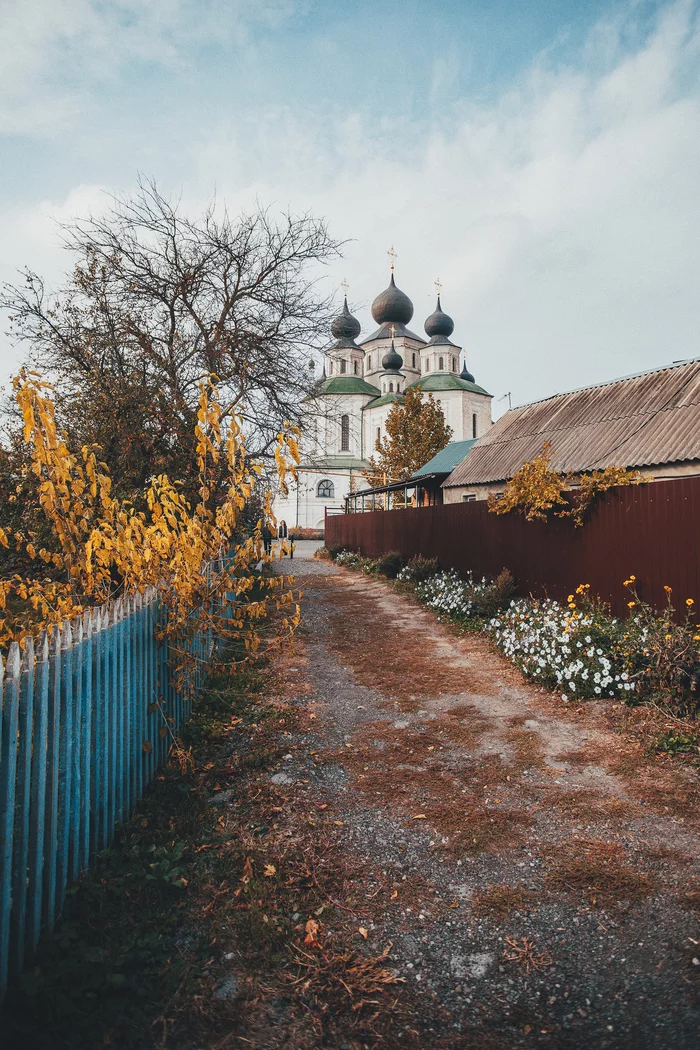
(345, 326)
(392, 305)
(466, 374)
(439, 323)
(392, 361)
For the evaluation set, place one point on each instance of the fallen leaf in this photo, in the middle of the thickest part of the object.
(247, 870)
(311, 931)
(420, 816)
(394, 894)
(270, 870)
(362, 932)
(338, 822)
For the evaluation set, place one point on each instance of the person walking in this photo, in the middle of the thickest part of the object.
(282, 532)
(267, 538)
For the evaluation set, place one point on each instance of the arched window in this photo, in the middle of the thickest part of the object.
(330, 368)
(354, 366)
(454, 367)
(473, 424)
(391, 388)
(413, 358)
(325, 490)
(345, 433)
(343, 366)
(369, 362)
(441, 365)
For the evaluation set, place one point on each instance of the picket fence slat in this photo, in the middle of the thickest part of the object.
(82, 714)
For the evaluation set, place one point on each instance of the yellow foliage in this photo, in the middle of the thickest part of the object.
(536, 489)
(108, 549)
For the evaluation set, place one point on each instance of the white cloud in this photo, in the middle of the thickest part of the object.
(54, 52)
(562, 218)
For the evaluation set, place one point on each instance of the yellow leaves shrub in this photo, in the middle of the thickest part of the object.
(537, 489)
(107, 548)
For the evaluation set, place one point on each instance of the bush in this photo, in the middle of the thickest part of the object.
(462, 599)
(297, 533)
(391, 564)
(334, 550)
(419, 569)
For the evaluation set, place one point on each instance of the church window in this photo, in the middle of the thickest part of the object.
(325, 490)
(454, 367)
(369, 362)
(473, 424)
(442, 364)
(355, 367)
(343, 367)
(413, 358)
(391, 388)
(379, 433)
(330, 368)
(345, 433)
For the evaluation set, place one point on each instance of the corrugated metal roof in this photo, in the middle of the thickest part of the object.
(446, 459)
(640, 421)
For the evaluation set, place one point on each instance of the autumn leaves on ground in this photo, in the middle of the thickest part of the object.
(387, 840)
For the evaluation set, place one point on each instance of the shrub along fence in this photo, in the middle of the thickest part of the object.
(651, 531)
(88, 716)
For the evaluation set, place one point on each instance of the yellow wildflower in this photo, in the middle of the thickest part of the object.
(689, 602)
(631, 605)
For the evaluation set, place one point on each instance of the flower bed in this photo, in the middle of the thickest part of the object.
(576, 648)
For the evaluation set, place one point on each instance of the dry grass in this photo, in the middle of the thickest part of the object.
(597, 869)
(499, 899)
(524, 953)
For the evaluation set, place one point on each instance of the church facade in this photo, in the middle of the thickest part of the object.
(346, 414)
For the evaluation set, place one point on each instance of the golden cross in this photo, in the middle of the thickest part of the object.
(393, 331)
(438, 286)
(345, 287)
(393, 256)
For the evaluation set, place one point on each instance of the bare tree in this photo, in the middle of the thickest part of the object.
(155, 301)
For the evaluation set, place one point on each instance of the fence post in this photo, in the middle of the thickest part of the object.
(53, 757)
(8, 771)
(40, 767)
(65, 765)
(22, 804)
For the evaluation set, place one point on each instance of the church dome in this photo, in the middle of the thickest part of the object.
(439, 323)
(392, 305)
(392, 361)
(465, 373)
(345, 326)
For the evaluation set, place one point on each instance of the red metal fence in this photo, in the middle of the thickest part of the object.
(649, 530)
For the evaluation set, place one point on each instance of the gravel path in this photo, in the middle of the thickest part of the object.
(541, 875)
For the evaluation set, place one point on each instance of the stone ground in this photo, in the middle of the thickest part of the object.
(534, 874)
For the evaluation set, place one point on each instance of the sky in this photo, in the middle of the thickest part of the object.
(542, 159)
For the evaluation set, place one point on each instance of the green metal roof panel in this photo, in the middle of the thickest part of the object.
(385, 399)
(445, 461)
(348, 385)
(447, 381)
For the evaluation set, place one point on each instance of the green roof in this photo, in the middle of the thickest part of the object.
(385, 399)
(447, 381)
(347, 385)
(445, 461)
(339, 462)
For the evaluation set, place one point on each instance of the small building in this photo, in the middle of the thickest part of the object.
(648, 422)
(422, 489)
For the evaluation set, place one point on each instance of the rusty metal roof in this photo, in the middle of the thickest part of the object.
(640, 421)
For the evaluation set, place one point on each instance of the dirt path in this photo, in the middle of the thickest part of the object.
(385, 841)
(536, 877)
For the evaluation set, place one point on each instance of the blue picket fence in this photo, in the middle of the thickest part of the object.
(88, 713)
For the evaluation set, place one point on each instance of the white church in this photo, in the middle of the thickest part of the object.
(346, 414)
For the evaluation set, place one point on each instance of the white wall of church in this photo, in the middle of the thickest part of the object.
(314, 492)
